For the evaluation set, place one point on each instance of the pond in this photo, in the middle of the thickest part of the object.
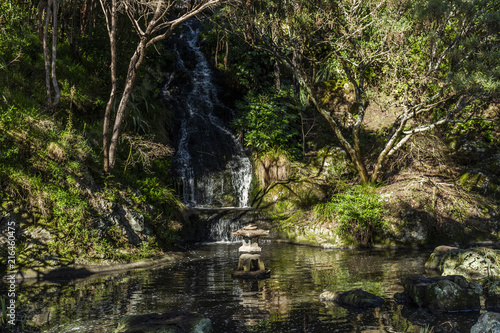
(286, 302)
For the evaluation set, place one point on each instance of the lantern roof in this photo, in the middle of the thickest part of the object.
(251, 231)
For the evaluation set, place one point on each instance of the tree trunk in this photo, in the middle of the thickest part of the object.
(42, 5)
(227, 52)
(111, 19)
(133, 67)
(354, 152)
(46, 56)
(277, 76)
(217, 42)
(55, 85)
(50, 60)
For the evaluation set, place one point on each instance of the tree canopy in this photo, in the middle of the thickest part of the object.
(420, 63)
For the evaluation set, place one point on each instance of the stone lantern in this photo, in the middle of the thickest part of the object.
(250, 265)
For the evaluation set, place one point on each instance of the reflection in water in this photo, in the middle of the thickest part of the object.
(286, 302)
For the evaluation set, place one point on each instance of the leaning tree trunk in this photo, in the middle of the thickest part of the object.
(111, 18)
(134, 64)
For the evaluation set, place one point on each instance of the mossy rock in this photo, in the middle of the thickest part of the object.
(171, 322)
(446, 293)
(480, 182)
(436, 257)
(474, 264)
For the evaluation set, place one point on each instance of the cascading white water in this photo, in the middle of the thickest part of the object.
(221, 230)
(213, 168)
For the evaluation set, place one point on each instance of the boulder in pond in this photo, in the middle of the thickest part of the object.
(355, 298)
(489, 322)
(436, 257)
(445, 293)
(474, 264)
(171, 322)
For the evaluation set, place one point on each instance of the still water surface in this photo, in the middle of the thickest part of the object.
(286, 302)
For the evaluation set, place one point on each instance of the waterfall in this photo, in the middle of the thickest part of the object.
(212, 167)
(218, 224)
(221, 230)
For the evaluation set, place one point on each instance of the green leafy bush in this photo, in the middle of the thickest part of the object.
(359, 213)
(269, 121)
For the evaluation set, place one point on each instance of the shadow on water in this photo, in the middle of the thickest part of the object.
(201, 282)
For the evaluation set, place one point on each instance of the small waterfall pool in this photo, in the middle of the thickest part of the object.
(286, 302)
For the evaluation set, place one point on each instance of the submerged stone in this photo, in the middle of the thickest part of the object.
(446, 293)
(171, 322)
(355, 298)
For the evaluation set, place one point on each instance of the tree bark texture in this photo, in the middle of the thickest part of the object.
(50, 58)
(111, 21)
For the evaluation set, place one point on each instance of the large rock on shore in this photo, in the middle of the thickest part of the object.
(473, 264)
(446, 293)
(355, 298)
(171, 322)
(489, 322)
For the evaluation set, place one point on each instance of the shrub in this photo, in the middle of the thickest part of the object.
(269, 121)
(358, 213)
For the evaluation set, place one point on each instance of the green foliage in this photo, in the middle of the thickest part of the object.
(482, 128)
(3, 319)
(40, 173)
(155, 192)
(246, 68)
(12, 24)
(50, 163)
(167, 221)
(269, 122)
(359, 213)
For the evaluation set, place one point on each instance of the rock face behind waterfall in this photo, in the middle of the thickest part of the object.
(211, 165)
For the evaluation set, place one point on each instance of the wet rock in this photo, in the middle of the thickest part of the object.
(492, 297)
(489, 322)
(473, 264)
(436, 257)
(445, 293)
(355, 298)
(171, 322)
(402, 298)
(130, 223)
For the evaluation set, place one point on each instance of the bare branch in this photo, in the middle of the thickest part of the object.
(13, 60)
